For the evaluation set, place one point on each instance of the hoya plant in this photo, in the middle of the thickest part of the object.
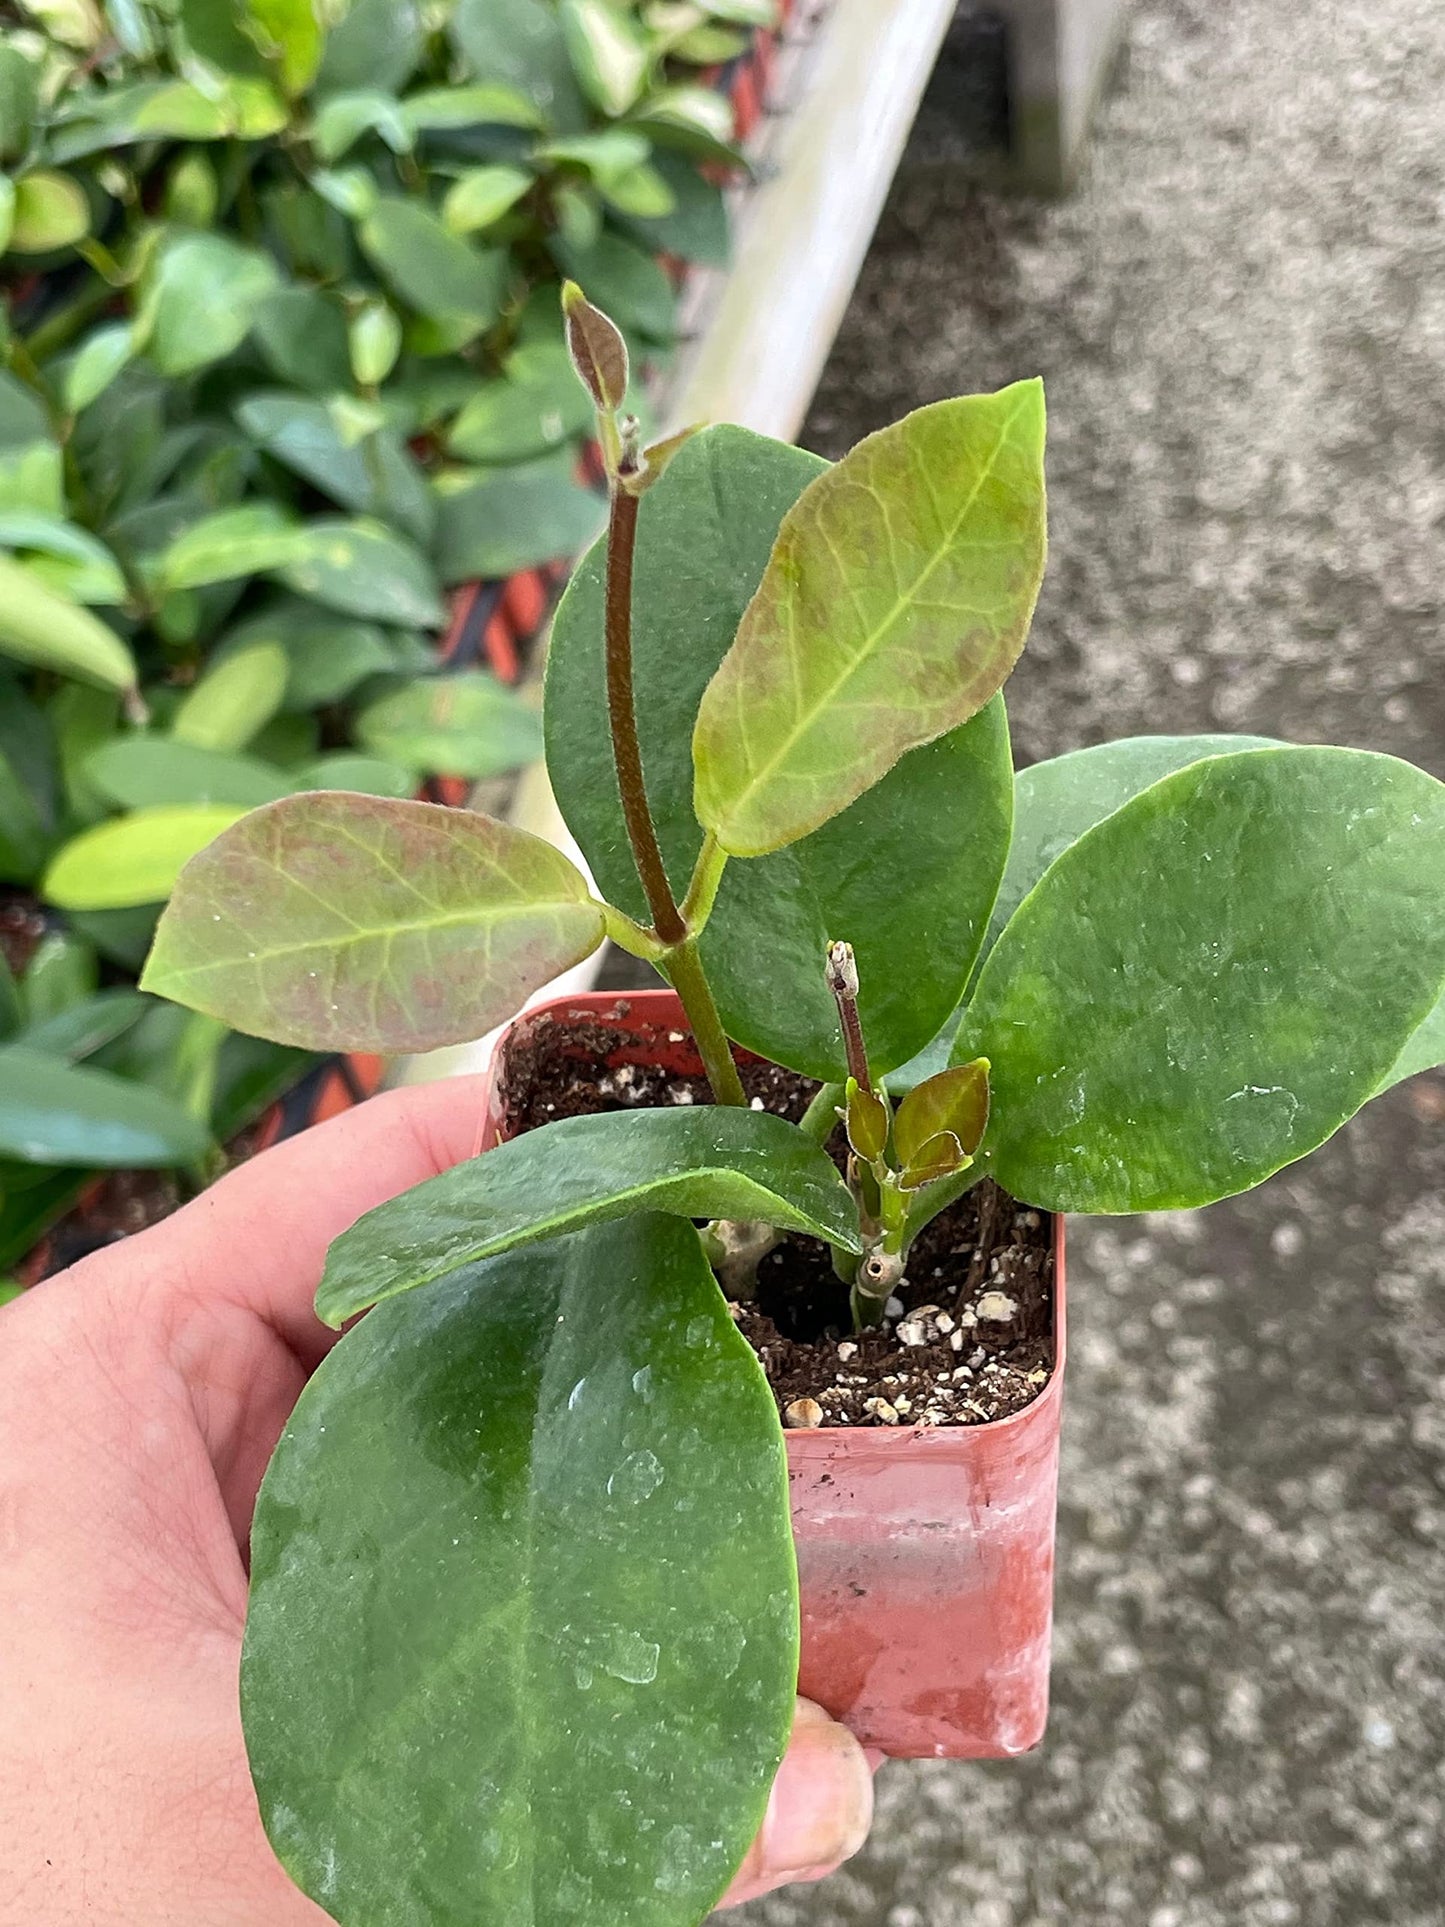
(279, 373)
(523, 1636)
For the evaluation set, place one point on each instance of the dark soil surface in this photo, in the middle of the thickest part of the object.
(969, 1336)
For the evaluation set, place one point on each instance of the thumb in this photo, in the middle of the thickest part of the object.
(818, 1812)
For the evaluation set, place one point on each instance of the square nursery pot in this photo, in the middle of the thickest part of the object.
(925, 1553)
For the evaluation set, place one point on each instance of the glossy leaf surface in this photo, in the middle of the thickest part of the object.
(467, 724)
(907, 874)
(345, 922)
(53, 1113)
(1210, 981)
(894, 606)
(956, 1101)
(711, 1162)
(133, 859)
(87, 1026)
(566, 1699)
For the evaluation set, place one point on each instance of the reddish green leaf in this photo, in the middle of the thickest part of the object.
(956, 1101)
(335, 921)
(894, 605)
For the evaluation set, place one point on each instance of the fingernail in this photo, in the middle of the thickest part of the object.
(822, 1799)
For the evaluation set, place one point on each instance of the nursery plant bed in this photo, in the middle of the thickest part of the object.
(925, 1549)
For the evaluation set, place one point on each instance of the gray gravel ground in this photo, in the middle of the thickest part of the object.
(1241, 318)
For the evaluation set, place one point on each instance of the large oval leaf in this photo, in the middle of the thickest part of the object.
(894, 606)
(522, 1644)
(434, 270)
(335, 921)
(364, 569)
(143, 772)
(1208, 983)
(51, 1113)
(505, 519)
(907, 874)
(133, 860)
(715, 1162)
(201, 295)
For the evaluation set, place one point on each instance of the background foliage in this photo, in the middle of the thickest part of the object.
(282, 367)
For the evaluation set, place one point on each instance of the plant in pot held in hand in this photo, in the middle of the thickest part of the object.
(524, 1629)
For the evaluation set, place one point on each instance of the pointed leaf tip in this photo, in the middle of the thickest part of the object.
(597, 349)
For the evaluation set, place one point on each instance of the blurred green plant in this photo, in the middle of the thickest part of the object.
(281, 368)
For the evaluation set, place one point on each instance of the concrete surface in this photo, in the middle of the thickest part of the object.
(1242, 322)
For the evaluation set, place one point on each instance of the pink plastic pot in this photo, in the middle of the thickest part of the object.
(925, 1554)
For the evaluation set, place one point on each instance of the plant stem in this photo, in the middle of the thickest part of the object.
(843, 982)
(822, 1114)
(622, 716)
(684, 966)
(630, 935)
(702, 891)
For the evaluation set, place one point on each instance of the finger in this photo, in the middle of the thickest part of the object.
(818, 1812)
(258, 1238)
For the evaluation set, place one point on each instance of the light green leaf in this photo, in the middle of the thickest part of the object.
(933, 834)
(44, 629)
(141, 111)
(218, 34)
(606, 154)
(144, 772)
(707, 1163)
(432, 269)
(536, 406)
(241, 541)
(896, 602)
(373, 339)
(363, 569)
(343, 770)
(342, 119)
(234, 699)
(289, 34)
(440, 109)
(50, 212)
(201, 294)
(67, 558)
(1210, 981)
(466, 724)
(483, 195)
(697, 227)
(51, 1113)
(507, 519)
(96, 364)
(584, 1462)
(610, 53)
(641, 192)
(134, 859)
(335, 921)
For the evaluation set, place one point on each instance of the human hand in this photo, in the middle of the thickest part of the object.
(141, 1395)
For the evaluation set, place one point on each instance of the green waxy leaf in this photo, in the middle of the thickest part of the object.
(908, 872)
(144, 772)
(443, 109)
(374, 476)
(432, 269)
(45, 629)
(51, 1113)
(376, 43)
(866, 1117)
(327, 655)
(707, 1163)
(538, 405)
(894, 606)
(88, 1026)
(1055, 802)
(19, 98)
(342, 922)
(66, 558)
(201, 295)
(365, 570)
(1210, 981)
(520, 42)
(133, 860)
(584, 1462)
(96, 364)
(467, 724)
(1424, 1051)
(61, 973)
(301, 332)
(507, 519)
(368, 775)
(483, 195)
(235, 699)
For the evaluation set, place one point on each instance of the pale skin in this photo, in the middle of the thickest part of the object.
(141, 1394)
